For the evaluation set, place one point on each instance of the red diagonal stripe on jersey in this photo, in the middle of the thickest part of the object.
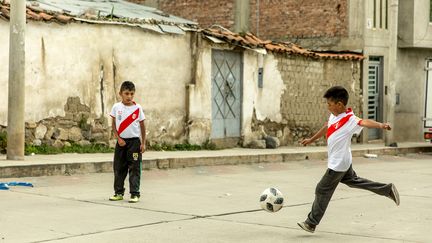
(131, 118)
(335, 126)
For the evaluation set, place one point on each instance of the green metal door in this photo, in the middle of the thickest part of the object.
(226, 93)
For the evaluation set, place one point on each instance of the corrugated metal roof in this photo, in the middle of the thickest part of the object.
(103, 12)
(250, 41)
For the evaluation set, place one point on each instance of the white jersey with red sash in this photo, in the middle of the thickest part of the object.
(127, 119)
(340, 130)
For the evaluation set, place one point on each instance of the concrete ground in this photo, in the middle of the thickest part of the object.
(220, 204)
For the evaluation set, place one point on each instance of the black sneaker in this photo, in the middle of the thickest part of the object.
(394, 194)
(306, 227)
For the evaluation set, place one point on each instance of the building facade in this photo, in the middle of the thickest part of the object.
(395, 36)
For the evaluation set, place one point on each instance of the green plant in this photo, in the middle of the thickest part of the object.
(43, 149)
(182, 147)
(30, 149)
(187, 147)
(155, 147)
(166, 147)
(92, 148)
(74, 148)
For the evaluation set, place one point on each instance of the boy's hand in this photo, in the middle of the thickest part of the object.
(306, 141)
(385, 126)
(121, 142)
(142, 148)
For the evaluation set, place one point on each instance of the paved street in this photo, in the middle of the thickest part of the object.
(220, 204)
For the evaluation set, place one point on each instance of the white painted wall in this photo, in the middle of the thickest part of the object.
(65, 60)
(200, 101)
(267, 100)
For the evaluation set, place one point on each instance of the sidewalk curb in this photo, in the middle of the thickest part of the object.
(67, 168)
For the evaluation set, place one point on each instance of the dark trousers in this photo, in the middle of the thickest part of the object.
(128, 158)
(326, 187)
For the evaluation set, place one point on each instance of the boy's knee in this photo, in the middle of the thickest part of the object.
(319, 190)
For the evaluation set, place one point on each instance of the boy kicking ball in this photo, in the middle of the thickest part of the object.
(339, 129)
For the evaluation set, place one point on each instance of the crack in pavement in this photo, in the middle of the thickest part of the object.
(177, 213)
(106, 204)
(111, 230)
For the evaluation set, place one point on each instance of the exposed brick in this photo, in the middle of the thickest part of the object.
(306, 80)
(206, 13)
(275, 19)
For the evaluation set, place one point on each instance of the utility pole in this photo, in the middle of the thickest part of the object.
(390, 88)
(241, 17)
(15, 126)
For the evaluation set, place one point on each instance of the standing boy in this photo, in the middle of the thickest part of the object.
(128, 126)
(341, 126)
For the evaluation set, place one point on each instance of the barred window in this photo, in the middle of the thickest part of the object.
(380, 14)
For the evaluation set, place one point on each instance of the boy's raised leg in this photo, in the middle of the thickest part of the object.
(389, 190)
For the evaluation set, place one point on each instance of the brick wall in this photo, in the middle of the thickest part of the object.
(278, 19)
(303, 107)
(206, 13)
(283, 19)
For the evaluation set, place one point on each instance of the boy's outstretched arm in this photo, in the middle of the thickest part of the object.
(374, 124)
(317, 135)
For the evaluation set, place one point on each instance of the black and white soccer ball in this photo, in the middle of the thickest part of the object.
(271, 200)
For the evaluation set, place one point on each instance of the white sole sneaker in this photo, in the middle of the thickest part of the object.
(395, 193)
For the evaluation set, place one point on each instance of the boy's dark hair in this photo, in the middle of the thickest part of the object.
(336, 94)
(127, 85)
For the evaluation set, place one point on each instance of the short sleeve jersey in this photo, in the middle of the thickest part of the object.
(340, 130)
(127, 119)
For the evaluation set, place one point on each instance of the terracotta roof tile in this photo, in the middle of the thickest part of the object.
(33, 15)
(46, 16)
(5, 11)
(250, 40)
(36, 14)
(63, 18)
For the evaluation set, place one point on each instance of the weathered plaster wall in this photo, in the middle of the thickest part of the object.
(91, 61)
(200, 100)
(264, 103)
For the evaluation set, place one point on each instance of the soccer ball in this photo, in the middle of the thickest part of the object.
(271, 200)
